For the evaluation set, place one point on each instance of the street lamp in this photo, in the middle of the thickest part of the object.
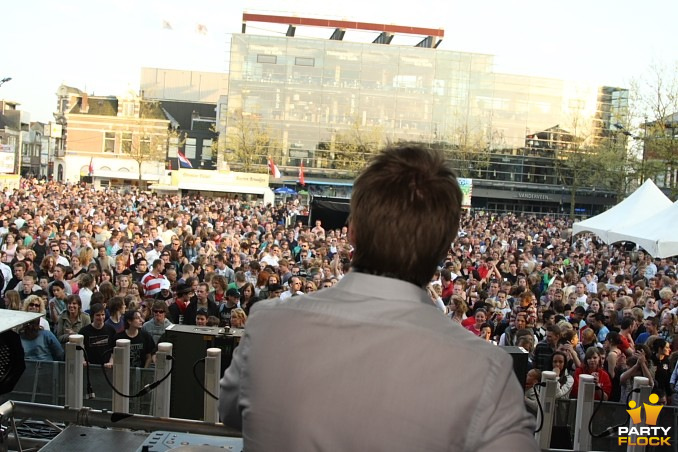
(5, 80)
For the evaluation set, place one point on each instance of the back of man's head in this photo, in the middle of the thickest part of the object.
(405, 211)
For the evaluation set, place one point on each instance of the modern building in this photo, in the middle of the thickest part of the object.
(329, 103)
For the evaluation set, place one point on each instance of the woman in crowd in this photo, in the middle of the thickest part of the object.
(458, 309)
(661, 350)
(262, 284)
(106, 276)
(40, 344)
(191, 248)
(592, 365)
(9, 248)
(86, 257)
(563, 377)
(271, 280)
(220, 285)
(667, 329)
(47, 268)
(116, 308)
(238, 318)
(588, 340)
(12, 300)
(123, 283)
(36, 304)
(247, 297)
(638, 366)
(107, 290)
(614, 363)
(71, 320)
(76, 267)
(595, 306)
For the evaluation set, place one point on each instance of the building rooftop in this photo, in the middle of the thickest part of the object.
(432, 37)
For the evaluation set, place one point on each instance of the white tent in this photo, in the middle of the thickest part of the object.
(657, 234)
(646, 201)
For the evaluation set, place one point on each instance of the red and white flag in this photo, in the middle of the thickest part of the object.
(301, 174)
(273, 169)
(91, 166)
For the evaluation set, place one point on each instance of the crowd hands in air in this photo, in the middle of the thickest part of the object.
(111, 265)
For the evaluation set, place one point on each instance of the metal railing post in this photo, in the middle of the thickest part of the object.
(585, 401)
(74, 371)
(547, 396)
(161, 394)
(121, 367)
(212, 377)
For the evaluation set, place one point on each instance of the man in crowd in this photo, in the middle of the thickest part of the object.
(98, 336)
(142, 347)
(153, 279)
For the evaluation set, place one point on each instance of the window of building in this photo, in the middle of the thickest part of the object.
(109, 142)
(267, 59)
(126, 143)
(303, 61)
(173, 147)
(129, 108)
(145, 144)
(207, 149)
(189, 148)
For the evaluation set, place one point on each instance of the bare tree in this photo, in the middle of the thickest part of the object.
(656, 98)
(470, 148)
(350, 149)
(249, 143)
(146, 139)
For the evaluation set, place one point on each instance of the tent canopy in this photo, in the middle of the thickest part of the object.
(655, 234)
(646, 201)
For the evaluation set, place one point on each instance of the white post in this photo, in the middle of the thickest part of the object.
(547, 397)
(161, 394)
(585, 401)
(73, 369)
(212, 377)
(121, 375)
(643, 384)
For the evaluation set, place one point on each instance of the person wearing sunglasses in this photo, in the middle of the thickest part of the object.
(159, 323)
(36, 304)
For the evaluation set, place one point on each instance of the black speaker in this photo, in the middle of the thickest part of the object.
(519, 356)
(189, 344)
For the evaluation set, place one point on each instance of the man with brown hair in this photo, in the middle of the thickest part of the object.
(347, 365)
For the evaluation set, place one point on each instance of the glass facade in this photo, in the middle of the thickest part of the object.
(310, 96)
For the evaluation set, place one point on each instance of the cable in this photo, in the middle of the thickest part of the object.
(541, 410)
(143, 391)
(90, 390)
(197, 379)
(608, 431)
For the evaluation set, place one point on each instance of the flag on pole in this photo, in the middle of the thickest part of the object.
(275, 172)
(91, 166)
(301, 174)
(183, 161)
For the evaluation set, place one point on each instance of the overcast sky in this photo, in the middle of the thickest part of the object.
(100, 46)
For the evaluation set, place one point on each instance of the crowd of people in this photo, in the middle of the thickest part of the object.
(109, 264)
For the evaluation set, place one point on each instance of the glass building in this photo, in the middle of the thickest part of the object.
(329, 103)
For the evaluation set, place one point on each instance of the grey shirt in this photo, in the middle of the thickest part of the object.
(155, 330)
(370, 364)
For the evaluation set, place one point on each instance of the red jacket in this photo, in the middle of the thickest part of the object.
(604, 382)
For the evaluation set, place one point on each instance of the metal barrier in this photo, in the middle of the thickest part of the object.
(610, 413)
(44, 382)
